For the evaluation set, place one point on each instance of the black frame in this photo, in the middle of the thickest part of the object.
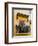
(6, 22)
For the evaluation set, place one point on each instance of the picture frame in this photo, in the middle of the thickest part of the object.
(11, 32)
